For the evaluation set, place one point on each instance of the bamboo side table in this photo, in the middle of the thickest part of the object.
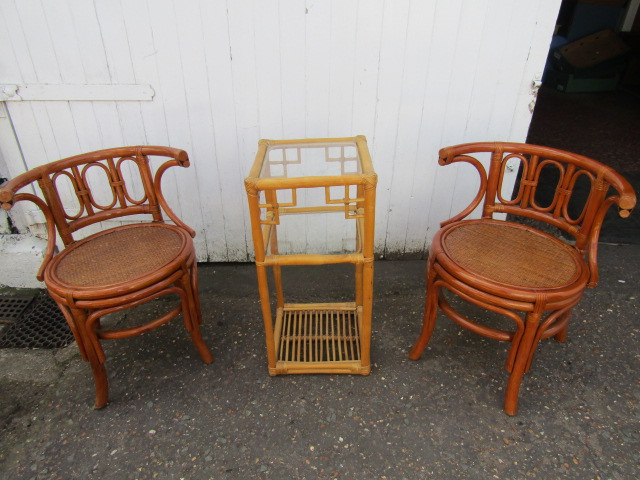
(314, 337)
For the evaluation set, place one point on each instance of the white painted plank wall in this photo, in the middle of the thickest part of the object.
(411, 75)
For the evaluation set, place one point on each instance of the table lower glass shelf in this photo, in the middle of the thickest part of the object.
(319, 338)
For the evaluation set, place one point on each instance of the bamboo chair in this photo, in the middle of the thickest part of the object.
(116, 268)
(521, 272)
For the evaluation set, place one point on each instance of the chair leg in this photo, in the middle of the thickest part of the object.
(102, 383)
(513, 349)
(561, 336)
(191, 311)
(429, 319)
(95, 357)
(526, 346)
(193, 272)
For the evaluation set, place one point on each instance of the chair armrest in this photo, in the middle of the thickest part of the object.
(626, 201)
(626, 198)
(449, 155)
(9, 197)
(180, 159)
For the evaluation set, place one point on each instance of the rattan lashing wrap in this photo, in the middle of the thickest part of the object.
(118, 256)
(512, 255)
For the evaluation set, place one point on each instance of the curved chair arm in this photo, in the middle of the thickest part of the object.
(9, 190)
(592, 252)
(626, 201)
(626, 198)
(181, 159)
(449, 155)
(9, 197)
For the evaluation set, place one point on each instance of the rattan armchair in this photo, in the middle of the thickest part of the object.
(531, 277)
(119, 267)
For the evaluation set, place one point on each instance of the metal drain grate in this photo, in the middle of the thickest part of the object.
(12, 307)
(42, 325)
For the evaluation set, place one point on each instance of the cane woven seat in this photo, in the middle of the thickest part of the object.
(511, 254)
(119, 256)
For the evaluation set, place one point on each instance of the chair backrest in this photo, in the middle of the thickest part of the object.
(577, 211)
(93, 187)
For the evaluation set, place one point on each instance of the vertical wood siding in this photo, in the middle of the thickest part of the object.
(411, 75)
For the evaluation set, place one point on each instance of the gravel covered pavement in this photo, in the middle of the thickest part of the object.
(173, 417)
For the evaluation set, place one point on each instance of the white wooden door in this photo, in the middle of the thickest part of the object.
(410, 75)
(10, 148)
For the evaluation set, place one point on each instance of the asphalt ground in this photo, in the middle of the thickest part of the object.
(441, 417)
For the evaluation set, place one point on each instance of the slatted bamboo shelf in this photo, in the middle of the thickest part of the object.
(314, 337)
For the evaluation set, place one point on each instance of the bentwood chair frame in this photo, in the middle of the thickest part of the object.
(466, 257)
(314, 337)
(107, 272)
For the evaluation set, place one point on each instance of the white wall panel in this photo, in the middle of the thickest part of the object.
(424, 216)
(292, 50)
(229, 217)
(389, 94)
(410, 118)
(411, 75)
(457, 100)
